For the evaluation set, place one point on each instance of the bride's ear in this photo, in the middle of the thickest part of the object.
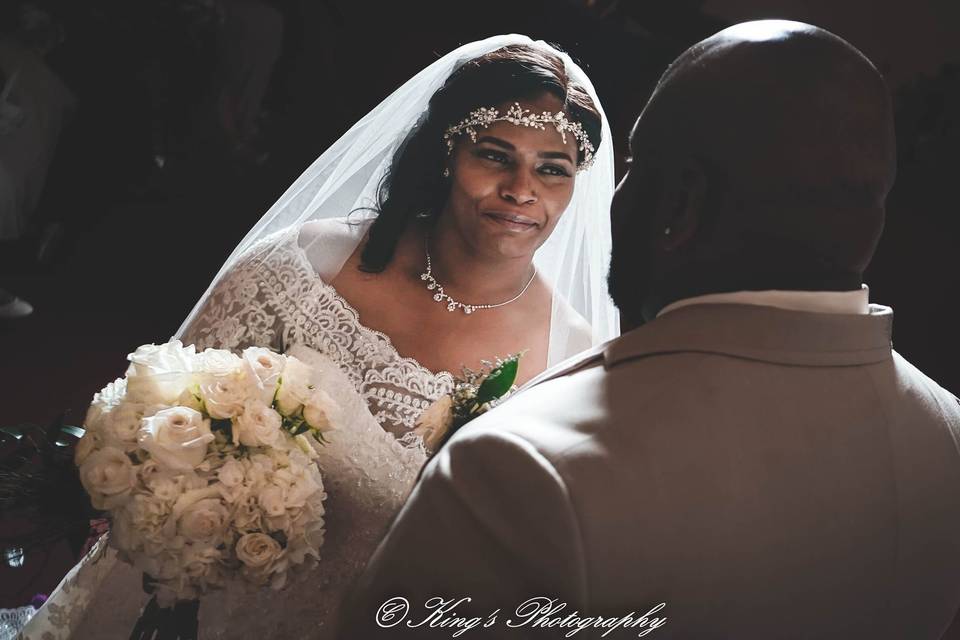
(682, 205)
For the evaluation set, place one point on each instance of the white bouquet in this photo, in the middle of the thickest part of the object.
(206, 465)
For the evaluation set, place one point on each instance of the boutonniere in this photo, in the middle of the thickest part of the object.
(474, 393)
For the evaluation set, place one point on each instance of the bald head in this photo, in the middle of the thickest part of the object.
(784, 102)
(784, 134)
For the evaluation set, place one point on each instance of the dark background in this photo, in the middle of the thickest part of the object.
(121, 247)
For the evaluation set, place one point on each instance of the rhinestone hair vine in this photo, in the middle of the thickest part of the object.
(484, 117)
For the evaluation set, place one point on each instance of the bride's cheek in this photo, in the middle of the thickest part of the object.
(559, 206)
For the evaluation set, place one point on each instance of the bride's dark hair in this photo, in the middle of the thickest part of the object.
(414, 186)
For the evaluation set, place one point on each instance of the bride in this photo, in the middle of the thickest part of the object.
(464, 218)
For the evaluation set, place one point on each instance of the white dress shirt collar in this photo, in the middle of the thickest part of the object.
(851, 302)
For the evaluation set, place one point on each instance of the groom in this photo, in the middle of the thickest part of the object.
(752, 460)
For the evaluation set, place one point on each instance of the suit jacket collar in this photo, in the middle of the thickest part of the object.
(761, 333)
(753, 332)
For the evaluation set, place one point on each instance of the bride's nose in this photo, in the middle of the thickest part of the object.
(518, 187)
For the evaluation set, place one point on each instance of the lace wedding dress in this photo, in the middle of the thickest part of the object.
(278, 296)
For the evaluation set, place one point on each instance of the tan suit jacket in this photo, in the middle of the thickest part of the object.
(764, 473)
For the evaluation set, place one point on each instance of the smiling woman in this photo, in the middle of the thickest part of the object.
(509, 188)
(475, 189)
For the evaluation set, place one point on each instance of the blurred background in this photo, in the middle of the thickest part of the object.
(139, 141)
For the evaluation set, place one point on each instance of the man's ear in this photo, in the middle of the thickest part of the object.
(682, 207)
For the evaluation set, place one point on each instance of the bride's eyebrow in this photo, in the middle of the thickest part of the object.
(498, 142)
(556, 155)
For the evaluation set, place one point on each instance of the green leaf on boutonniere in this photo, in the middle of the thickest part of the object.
(498, 381)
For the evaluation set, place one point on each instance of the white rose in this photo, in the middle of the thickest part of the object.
(296, 386)
(204, 520)
(158, 374)
(224, 395)
(434, 423)
(120, 427)
(320, 410)
(259, 425)
(173, 526)
(272, 501)
(218, 362)
(169, 356)
(176, 438)
(108, 476)
(265, 368)
(258, 552)
(84, 448)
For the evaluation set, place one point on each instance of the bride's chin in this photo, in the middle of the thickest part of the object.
(510, 249)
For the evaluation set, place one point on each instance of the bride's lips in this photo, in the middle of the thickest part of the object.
(511, 221)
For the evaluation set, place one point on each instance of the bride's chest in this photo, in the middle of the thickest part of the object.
(396, 388)
(439, 339)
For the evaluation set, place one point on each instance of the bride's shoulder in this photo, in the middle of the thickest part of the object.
(333, 231)
(328, 243)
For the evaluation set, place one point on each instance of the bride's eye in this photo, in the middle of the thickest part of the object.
(554, 170)
(495, 156)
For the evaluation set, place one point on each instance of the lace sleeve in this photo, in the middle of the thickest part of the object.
(240, 310)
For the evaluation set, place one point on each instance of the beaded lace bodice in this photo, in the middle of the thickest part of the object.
(273, 297)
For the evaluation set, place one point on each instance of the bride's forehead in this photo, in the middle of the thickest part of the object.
(528, 138)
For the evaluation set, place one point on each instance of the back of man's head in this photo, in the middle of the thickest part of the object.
(762, 161)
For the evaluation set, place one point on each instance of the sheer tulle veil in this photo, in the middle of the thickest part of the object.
(345, 178)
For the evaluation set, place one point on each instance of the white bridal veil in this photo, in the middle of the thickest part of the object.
(345, 177)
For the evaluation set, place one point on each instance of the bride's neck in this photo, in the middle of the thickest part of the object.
(466, 274)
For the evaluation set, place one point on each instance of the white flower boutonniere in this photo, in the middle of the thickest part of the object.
(474, 393)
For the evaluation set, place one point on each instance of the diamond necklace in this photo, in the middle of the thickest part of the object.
(453, 305)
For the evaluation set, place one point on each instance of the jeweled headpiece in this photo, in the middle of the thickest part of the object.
(484, 117)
